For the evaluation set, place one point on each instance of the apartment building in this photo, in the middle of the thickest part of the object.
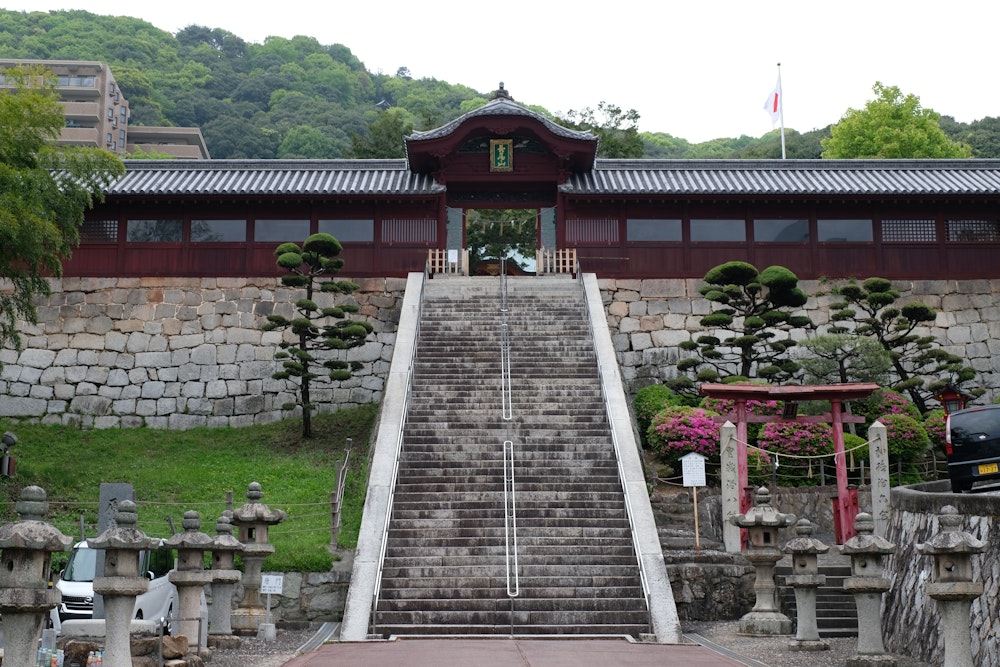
(97, 113)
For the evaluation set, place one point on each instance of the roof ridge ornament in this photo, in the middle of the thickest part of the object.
(501, 93)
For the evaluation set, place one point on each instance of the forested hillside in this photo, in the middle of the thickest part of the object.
(297, 98)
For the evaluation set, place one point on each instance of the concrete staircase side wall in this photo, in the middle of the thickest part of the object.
(357, 611)
(663, 612)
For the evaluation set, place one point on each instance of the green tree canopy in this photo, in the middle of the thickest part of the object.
(385, 136)
(498, 233)
(891, 126)
(618, 130)
(45, 190)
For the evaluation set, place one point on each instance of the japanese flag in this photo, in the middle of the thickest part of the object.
(773, 103)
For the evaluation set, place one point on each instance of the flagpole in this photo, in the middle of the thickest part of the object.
(781, 113)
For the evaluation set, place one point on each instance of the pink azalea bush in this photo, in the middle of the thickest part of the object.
(934, 425)
(906, 437)
(791, 439)
(678, 430)
(884, 402)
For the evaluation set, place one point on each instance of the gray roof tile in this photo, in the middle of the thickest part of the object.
(272, 177)
(789, 177)
(615, 177)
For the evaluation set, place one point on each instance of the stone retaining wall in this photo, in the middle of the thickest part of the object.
(183, 352)
(911, 623)
(178, 353)
(649, 318)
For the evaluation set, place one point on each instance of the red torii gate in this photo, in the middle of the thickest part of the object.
(845, 505)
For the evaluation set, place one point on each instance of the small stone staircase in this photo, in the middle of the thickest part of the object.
(836, 610)
(445, 568)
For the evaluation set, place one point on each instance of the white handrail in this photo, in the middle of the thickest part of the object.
(510, 520)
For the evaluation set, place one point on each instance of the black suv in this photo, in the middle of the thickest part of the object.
(972, 443)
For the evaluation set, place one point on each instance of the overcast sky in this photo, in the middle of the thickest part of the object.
(695, 70)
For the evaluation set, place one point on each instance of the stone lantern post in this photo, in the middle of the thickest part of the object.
(25, 597)
(763, 524)
(805, 579)
(867, 584)
(253, 520)
(224, 577)
(953, 587)
(190, 576)
(122, 582)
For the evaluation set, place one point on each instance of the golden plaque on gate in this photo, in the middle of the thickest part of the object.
(501, 155)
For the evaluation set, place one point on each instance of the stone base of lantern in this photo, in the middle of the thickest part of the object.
(246, 622)
(228, 642)
(870, 661)
(808, 645)
(766, 623)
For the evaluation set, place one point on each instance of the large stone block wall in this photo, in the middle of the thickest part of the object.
(178, 353)
(649, 318)
(911, 621)
(184, 352)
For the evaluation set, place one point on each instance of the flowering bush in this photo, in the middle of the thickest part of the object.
(884, 402)
(934, 425)
(795, 443)
(725, 406)
(907, 438)
(650, 400)
(676, 431)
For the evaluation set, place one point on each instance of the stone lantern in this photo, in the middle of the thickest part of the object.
(763, 524)
(253, 520)
(122, 582)
(25, 597)
(867, 584)
(224, 577)
(190, 576)
(953, 587)
(805, 579)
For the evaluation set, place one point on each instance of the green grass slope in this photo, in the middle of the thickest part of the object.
(177, 471)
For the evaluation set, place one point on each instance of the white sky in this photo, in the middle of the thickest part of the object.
(695, 70)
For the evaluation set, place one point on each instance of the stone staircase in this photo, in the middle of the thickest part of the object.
(445, 565)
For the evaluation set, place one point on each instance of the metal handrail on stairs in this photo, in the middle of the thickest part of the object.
(509, 491)
(510, 521)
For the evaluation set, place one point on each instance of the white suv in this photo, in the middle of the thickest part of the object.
(76, 584)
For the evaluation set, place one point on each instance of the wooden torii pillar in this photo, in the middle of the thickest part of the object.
(845, 504)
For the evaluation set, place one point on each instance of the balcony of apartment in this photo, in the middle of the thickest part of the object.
(80, 136)
(82, 111)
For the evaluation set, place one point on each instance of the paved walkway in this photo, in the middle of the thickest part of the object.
(515, 653)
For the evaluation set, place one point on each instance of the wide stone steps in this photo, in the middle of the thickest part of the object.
(445, 567)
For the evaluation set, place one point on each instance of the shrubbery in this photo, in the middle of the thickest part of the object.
(648, 402)
(795, 444)
(676, 431)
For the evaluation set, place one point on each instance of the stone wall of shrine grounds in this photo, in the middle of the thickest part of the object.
(185, 352)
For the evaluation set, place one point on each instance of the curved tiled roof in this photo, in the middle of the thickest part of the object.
(502, 107)
(789, 177)
(868, 178)
(271, 177)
